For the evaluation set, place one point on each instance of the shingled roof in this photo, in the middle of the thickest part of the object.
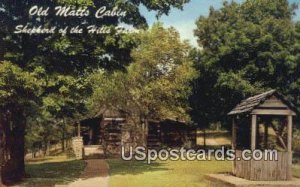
(249, 104)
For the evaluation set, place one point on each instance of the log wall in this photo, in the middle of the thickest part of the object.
(171, 134)
(112, 134)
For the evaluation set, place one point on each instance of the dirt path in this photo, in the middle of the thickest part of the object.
(95, 174)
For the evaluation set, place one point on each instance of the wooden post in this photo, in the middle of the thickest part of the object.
(204, 137)
(266, 134)
(1, 156)
(2, 151)
(78, 129)
(253, 132)
(289, 146)
(233, 143)
(253, 144)
(145, 131)
(90, 136)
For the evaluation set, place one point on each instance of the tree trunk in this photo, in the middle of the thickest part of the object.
(63, 135)
(48, 148)
(143, 133)
(63, 142)
(13, 145)
(1, 152)
(18, 146)
(145, 127)
(204, 138)
(44, 148)
(1, 182)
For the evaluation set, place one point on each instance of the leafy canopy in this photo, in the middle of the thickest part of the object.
(45, 74)
(247, 49)
(156, 84)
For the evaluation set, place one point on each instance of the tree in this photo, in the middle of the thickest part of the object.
(19, 91)
(155, 86)
(292, 88)
(247, 48)
(62, 56)
(67, 105)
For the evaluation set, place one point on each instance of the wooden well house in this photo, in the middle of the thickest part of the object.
(263, 122)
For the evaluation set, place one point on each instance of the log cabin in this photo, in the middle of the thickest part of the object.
(105, 134)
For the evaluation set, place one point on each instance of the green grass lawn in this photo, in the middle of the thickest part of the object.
(168, 173)
(214, 138)
(296, 166)
(50, 171)
(164, 173)
(296, 170)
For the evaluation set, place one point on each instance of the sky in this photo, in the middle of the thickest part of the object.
(184, 20)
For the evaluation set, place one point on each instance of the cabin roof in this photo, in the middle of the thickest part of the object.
(110, 113)
(249, 104)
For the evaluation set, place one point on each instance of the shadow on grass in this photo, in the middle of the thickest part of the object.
(52, 173)
(33, 160)
(121, 167)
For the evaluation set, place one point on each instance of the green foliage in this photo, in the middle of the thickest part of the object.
(18, 86)
(155, 85)
(247, 49)
(46, 74)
